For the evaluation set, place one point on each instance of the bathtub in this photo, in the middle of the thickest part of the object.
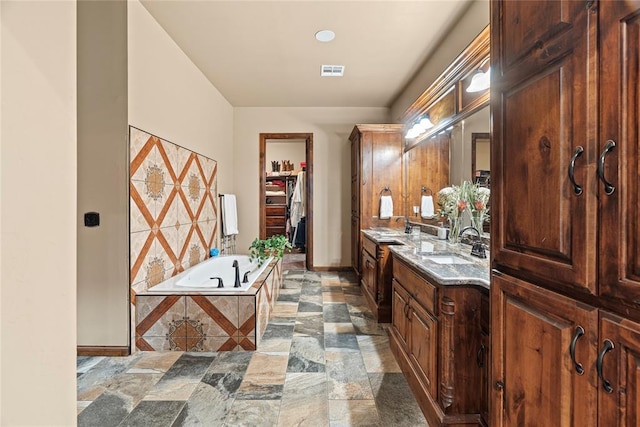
(188, 312)
(206, 276)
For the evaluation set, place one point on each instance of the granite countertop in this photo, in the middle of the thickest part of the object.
(468, 270)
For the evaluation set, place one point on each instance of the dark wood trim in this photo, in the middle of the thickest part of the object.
(341, 268)
(475, 136)
(308, 137)
(472, 57)
(110, 351)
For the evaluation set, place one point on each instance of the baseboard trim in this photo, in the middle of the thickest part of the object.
(316, 268)
(88, 350)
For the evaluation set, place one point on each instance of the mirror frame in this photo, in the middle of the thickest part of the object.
(454, 78)
(437, 98)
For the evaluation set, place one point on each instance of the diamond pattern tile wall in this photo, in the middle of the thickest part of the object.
(173, 208)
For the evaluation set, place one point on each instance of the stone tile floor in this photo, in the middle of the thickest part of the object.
(323, 361)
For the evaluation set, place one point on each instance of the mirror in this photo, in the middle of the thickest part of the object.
(454, 155)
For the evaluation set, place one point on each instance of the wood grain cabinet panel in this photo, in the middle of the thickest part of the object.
(619, 403)
(542, 229)
(376, 163)
(436, 337)
(566, 106)
(620, 88)
(534, 380)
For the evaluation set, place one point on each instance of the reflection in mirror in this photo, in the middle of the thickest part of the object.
(480, 158)
(427, 173)
(462, 161)
(447, 159)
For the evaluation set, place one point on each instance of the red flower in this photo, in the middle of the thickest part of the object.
(461, 205)
(479, 205)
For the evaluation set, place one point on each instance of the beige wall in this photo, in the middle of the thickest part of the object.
(103, 273)
(331, 171)
(295, 152)
(170, 97)
(470, 24)
(139, 77)
(38, 212)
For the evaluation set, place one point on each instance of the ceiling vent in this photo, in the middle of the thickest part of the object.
(332, 71)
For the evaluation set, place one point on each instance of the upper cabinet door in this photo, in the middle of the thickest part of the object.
(543, 97)
(620, 115)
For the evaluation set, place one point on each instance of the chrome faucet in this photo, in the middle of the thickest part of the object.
(477, 248)
(237, 267)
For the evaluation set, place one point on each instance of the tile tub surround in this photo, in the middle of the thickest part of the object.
(197, 321)
(312, 370)
(173, 211)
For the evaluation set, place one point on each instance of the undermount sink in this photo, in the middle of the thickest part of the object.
(447, 259)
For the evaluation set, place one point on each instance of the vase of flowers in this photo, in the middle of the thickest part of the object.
(458, 202)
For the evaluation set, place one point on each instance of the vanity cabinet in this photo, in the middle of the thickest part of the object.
(376, 165)
(376, 278)
(565, 195)
(437, 338)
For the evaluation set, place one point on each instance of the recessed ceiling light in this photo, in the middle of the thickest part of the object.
(325, 35)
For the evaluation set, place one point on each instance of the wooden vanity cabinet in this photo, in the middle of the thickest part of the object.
(565, 195)
(376, 278)
(436, 336)
(376, 164)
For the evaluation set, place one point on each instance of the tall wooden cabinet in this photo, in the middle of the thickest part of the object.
(565, 292)
(376, 164)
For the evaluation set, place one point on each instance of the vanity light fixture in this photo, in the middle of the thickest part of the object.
(481, 80)
(420, 126)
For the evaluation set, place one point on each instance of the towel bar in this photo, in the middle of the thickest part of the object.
(427, 190)
(384, 190)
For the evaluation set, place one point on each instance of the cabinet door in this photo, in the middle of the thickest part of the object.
(423, 347)
(534, 380)
(400, 321)
(369, 273)
(542, 98)
(619, 398)
(620, 110)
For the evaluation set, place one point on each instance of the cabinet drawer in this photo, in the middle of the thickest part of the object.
(276, 200)
(272, 231)
(275, 221)
(369, 246)
(275, 210)
(423, 291)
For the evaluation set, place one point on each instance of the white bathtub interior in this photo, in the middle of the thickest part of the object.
(207, 275)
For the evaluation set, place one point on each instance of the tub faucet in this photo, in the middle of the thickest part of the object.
(477, 249)
(245, 278)
(237, 267)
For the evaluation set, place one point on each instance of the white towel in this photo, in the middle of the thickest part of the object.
(298, 205)
(386, 207)
(426, 207)
(229, 214)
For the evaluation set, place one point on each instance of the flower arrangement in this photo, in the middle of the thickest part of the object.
(468, 198)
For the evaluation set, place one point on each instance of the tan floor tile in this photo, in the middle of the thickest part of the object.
(377, 354)
(332, 297)
(339, 328)
(285, 309)
(266, 368)
(353, 413)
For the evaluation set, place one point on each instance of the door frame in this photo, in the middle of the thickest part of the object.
(308, 138)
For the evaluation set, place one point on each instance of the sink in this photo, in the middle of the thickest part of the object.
(447, 259)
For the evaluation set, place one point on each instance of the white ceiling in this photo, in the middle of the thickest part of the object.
(264, 54)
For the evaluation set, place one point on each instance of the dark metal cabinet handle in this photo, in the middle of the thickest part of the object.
(608, 187)
(608, 346)
(480, 356)
(577, 189)
(572, 350)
